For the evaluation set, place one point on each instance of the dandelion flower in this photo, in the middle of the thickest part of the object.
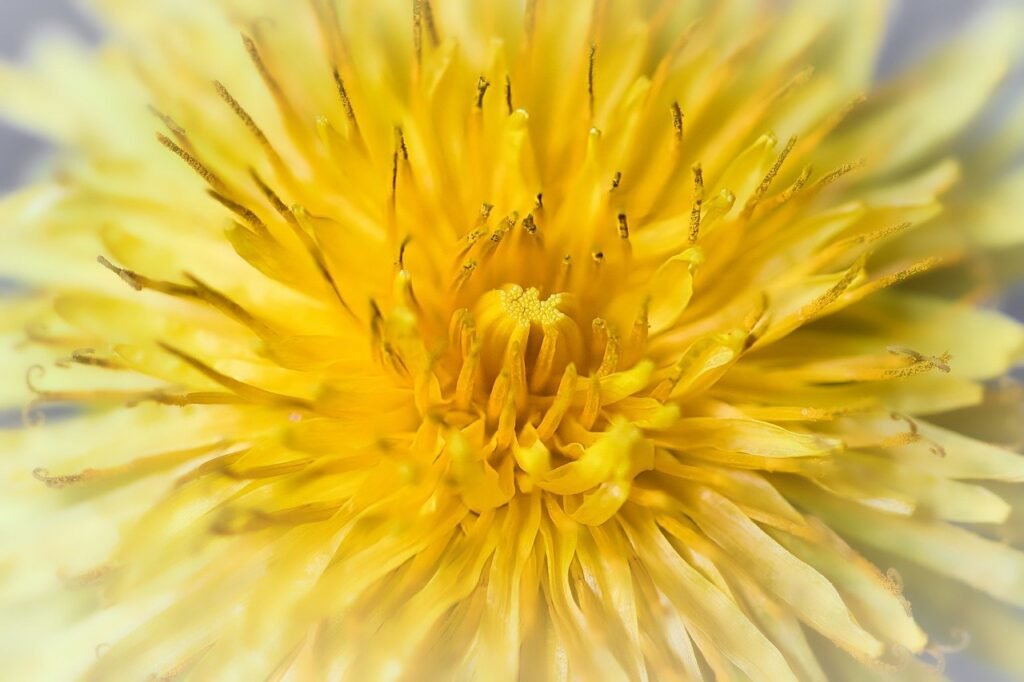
(438, 339)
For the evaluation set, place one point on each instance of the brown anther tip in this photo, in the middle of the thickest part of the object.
(401, 250)
(623, 226)
(508, 94)
(677, 122)
(400, 143)
(616, 181)
(482, 85)
(540, 200)
(529, 224)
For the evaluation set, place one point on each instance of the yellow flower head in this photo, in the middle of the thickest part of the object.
(517, 339)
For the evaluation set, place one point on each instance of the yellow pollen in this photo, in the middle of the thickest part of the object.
(526, 307)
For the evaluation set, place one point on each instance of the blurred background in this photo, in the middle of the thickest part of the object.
(917, 26)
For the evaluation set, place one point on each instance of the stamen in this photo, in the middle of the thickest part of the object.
(530, 17)
(592, 62)
(529, 224)
(832, 295)
(299, 220)
(394, 179)
(766, 183)
(275, 200)
(401, 251)
(467, 269)
(698, 201)
(563, 273)
(508, 94)
(485, 213)
(417, 30)
(616, 181)
(172, 125)
(482, 85)
(940, 363)
(878, 235)
(192, 161)
(268, 79)
(623, 227)
(246, 119)
(86, 578)
(898, 277)
(246, 214)
(428, 20)
(86, 357)
(911, 424)
(239, 388)
(204, 292)
(140, 282)
(677, 122)
(139, 466)
(400, 143)
(346, 102)
(835, 175)
(43, 475)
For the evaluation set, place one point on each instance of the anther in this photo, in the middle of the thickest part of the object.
(128, 276)
(616, 180)
(192, 161)
(485, 213)
(417, 30)
(830, 178)
(529, 224)
(345, 101)
(508, 94)
(44, 476)
(428, 20)
(482, 86)
(177, 130)
(677, 122)
(400, 143)
(698, 201)
(592, 62)
(245, 213)
(766, 183)
(401, 251)
(623, 226)
(244, 116)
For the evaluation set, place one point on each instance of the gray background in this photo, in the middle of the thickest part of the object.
(918, 25)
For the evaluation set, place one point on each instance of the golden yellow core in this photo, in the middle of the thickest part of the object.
(526, 307)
